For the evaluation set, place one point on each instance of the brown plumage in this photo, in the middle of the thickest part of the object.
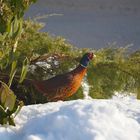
(65, 85)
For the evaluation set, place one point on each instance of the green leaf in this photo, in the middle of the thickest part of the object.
(3, 95)
(24, 70)
(13, 72)
(10, 100)
(9, 27)
(7, 97)
(18, 108)
(18, 30)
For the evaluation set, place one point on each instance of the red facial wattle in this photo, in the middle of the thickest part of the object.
(90, 56)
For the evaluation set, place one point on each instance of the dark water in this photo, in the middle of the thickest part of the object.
(91, 23)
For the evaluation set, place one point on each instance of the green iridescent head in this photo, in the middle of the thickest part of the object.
(86, 58)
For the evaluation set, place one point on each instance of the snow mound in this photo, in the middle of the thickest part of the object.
(77, 120)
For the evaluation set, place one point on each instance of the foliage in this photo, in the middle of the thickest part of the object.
(26, 50)
(9, 107)
(114, 68)
(11, 21)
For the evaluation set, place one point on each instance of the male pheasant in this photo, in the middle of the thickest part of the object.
(62, 86)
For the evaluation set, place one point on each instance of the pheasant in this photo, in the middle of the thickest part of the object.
(62, 86)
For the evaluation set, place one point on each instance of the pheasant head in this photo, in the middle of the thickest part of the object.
(86, 59)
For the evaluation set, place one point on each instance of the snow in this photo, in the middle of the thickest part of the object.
(88, 119)
(86, 88)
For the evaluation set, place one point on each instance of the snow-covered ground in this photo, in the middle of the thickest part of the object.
(88, 119)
